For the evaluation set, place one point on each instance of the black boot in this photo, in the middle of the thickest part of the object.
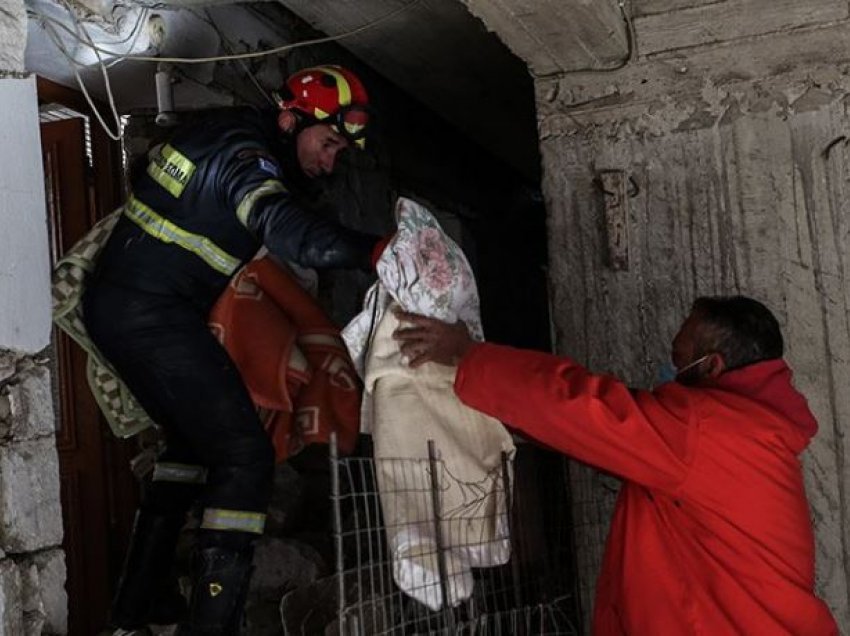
(147, 591)
(220, 577)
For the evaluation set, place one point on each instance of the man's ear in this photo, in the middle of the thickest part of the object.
(716, 365)
(286, 121)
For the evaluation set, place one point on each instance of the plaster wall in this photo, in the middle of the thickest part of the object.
(24, 266)
(32, 564)
(738, 149)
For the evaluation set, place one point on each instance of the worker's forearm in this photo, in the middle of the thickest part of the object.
(594, 418)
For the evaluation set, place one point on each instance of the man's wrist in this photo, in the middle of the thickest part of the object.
(464, 349)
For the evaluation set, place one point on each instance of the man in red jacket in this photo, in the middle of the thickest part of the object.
(711, 532)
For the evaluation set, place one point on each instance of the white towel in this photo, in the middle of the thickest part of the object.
(425, 272)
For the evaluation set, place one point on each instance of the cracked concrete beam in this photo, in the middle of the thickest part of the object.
(672, 91)
(674, 24)
(557, 37)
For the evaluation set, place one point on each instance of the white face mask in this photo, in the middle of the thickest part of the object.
(669, 373)
(681, 373)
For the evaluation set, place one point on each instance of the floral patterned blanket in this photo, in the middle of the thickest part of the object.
(423, 271)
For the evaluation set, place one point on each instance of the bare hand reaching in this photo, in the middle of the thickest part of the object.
(422, 339)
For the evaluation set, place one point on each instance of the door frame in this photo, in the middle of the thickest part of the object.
(104, 190)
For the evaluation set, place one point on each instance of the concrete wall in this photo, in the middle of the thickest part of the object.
(24, 270)
(13, 28)
(732, 119)
(32, 565)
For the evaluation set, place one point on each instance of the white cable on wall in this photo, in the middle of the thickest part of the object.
(238, 56)
(136, 32)
(115, 116)
(49, 24)
(74, 64)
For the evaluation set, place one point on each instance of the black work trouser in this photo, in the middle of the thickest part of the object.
(164, 351)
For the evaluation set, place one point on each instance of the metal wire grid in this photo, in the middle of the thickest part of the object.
(532, 592)
(594, 496)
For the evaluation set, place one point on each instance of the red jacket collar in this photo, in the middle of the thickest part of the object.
(770, 383)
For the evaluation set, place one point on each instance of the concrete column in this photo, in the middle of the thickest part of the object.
(32, 566)
(24, 257)
(24, 265)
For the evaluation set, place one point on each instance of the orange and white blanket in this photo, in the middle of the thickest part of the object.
(291, 357)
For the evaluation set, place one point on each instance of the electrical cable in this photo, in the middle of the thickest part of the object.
(253, 54)
(137, 31)
(47, 24)
(37, 15)
(75, 65)
(104, 72)
(229, 49)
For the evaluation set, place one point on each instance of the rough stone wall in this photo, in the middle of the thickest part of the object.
(732, 119)
(32, 564)
(13, 34)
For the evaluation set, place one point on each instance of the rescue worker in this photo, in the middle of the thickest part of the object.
(711, 533)
(207, 201)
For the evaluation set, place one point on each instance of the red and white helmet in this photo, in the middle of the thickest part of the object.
(330, 95)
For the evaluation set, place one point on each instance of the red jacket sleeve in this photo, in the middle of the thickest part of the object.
(645, 437)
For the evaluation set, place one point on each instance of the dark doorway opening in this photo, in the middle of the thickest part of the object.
(82, 170)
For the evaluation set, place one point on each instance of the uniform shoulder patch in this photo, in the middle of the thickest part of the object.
(270, 166)
(265, 161)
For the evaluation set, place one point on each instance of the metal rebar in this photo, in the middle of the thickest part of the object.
(506, 483)
(438, 535)
(337, 521)
(357, 534)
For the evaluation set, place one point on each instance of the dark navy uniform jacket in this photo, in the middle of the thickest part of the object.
(208, 200)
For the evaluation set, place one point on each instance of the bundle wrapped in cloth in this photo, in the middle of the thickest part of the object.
(423, 271)
(289, 353)
(291, 357)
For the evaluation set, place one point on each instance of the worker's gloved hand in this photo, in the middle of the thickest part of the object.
(379, 248)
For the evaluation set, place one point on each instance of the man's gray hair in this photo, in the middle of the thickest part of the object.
(741, 329)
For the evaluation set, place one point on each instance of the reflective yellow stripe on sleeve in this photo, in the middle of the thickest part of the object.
(170, 169)
(167, 232)
(243, 210)
(236, 520)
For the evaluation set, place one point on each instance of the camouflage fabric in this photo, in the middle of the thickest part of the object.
(122, 412)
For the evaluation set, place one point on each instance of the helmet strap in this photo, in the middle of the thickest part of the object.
(302, 121)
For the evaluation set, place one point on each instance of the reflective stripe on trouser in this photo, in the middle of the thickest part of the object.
(164, 230)
(235, 520)
(179, 473)
(185, 380)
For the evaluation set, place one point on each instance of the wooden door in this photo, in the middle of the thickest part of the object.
(97, 490)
